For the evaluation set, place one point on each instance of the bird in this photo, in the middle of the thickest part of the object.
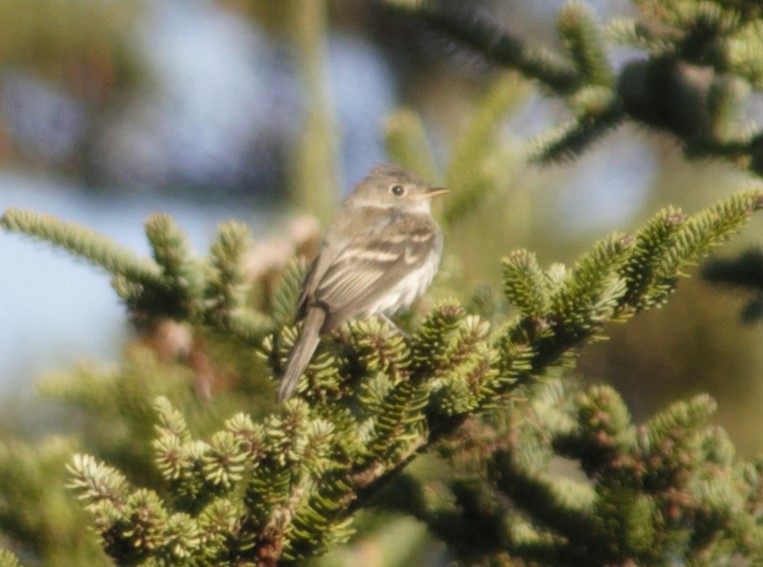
(377, 256)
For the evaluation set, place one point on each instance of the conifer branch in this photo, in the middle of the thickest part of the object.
(495, 45)
(470, 175)
(525, 285)
(225, 292)
(181, 285)
(698, 55)
(584, 43)
(406, 143)
(175, 284)
(280, 488)
(285, 296)
(226, 287)
(604, 301)
(598, 110)
(644, 484)
(96, 248)
(8, 559)
(287, 488)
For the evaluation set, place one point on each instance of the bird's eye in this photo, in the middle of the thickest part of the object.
(397, 190)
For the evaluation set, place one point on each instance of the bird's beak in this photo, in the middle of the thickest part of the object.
(433, 192)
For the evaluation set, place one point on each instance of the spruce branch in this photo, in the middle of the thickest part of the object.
(599, 278)
(181, 275)
(96, 482)
(609, 283)
(669, 488)
(699, 234)
(225, 294)
(591, 290)
(470, 175)
(380, 349)
(699, 53)
(226, 286)
(563, 506)
(97, 249)
(604, 430)
(170, 246)
(314, 526)
(525, 284)
(8, 559)
(637, 34)
(399, 424)
(671, 242)
(285, 297)
(179, 458)
(647, 284)
(597, 111)
(744, 57)
(433, 337)
(223, 463)
(406, 143)
(175, 284)
(584, 43)
(286, 488)
(496, 45)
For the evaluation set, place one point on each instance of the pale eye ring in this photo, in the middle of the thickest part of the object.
(397, 190)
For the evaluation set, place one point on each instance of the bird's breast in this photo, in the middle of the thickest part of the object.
(411, 286)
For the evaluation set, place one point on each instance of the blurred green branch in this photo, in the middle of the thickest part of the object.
(175, 284)
(701, 60)
(49, 37)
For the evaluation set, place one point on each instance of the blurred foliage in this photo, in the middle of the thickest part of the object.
(315, 182)
(81, 44)
(702, 60)
(745, 271)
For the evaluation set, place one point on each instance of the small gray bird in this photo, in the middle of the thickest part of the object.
(378, 255)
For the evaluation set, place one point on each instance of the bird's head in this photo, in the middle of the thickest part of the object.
(394, 186)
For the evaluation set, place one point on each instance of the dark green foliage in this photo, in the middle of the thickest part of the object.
(597, 110)
(744, 272)
(671, 488)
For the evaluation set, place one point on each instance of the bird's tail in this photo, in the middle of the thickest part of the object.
(302, 352)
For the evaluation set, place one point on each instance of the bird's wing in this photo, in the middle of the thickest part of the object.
(368, 265)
